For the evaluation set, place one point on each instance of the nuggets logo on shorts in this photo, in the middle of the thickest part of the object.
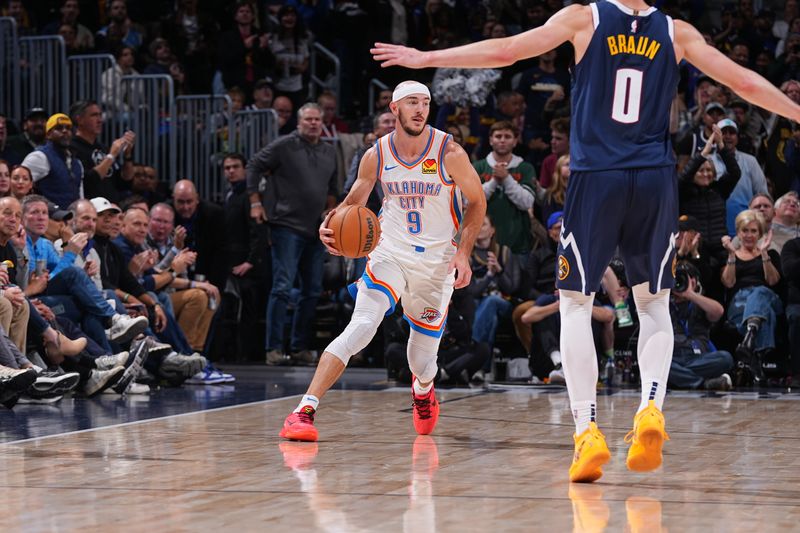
(430, 315)
(429, 166)
(563, 268)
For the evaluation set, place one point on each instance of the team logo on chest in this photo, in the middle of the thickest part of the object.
(430, 315)
(429, 166)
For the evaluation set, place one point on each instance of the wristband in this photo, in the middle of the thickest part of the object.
(192, 285)
(767, 260)
(126, 298)
(109, 157)
(729, 262)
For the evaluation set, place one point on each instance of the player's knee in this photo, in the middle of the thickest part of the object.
(355, 337)
(422, 352)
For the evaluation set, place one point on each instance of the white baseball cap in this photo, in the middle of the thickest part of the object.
(101, 205)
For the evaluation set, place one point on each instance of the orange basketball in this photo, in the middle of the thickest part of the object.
(356, 230)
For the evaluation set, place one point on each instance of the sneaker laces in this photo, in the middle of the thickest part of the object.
(306, 415)
(423, 406)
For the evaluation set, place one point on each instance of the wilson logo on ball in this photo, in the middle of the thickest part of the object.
(429, 166)
(369, 239)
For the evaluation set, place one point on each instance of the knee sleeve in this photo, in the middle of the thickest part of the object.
(422, 352)
(371, 305)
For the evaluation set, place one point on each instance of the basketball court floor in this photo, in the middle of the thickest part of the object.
(209, 458)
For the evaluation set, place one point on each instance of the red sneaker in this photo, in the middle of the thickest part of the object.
(300, 426)
(426, 411)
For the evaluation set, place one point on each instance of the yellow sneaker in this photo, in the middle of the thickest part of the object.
(591, 453)
(647, 438)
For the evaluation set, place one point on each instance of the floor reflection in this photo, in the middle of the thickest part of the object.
(591, 514)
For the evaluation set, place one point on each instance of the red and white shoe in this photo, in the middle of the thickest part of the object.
(426, 411)
(300, 426)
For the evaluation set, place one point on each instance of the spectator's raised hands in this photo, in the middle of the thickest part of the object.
(179, 237)
(77, 243)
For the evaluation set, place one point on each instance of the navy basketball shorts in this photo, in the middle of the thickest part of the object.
(634, 211)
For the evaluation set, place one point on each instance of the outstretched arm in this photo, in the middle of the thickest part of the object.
(491, 53)
(746, 83)
(463, 174)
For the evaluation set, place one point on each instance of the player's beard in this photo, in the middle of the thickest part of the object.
(408, 125)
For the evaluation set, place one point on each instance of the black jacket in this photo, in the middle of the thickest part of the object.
(206, 235)
(245, 240)
(114, 269)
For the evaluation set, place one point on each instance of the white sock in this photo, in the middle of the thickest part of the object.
(555, 356)
(656, 341)
(422, 391)
(310, 400)
(583, 413)
(578, 354)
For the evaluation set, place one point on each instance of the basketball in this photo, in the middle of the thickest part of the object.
(356, 230)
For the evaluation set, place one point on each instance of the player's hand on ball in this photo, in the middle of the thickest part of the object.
(460, 264)
(326, 234)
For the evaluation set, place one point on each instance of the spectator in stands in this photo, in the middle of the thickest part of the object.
(192, 33)
(694, 141)
(702, 196)
(777, 146)
(692, 248)
(70, 12)
(511, 108)
(752, 273)
(116, 97)
(145, 183)
(103, 174)
(332, 125)
(244, 54)
(21, 182)
(785, 223)
(559, 146)
(5, 154)
(380, 106)
(56, 172)
(263, 95)
(33, 135)
(552, 199)
(205, 232)
(290, 44)
(538, 277)
(59, 278)
(5, 178)
(162, 57)
(791, 153)
(69, 35)
(787, 66)
(509, 183)
(495, 280)
(384, 124)
(750, 183)
(120, 30)
(790, 263)
(84, 220)
(26, 25)
(695, 361)
(302, 182)
(283, 107)
(749, 130)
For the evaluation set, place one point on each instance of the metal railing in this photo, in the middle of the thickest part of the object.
(94, 77)
(253, 129)
(9, 70)
(333, 81)
(202, 133)
(151, 109)
(43, 73)
(375, 85)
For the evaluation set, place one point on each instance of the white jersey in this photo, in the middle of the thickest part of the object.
(422, 206)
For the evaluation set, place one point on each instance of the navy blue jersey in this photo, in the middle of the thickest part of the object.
(622, 91)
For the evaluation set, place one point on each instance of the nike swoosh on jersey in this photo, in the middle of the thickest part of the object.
(387, 167)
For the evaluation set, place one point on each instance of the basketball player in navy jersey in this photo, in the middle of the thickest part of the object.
(622, 188)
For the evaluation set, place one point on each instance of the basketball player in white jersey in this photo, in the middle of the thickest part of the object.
(622, 189)
(423, 174)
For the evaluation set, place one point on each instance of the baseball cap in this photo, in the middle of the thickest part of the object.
(35, 112)
(266, 82)
(688, 223)
(59, 119)
(554, 219)
(739, 103)
(715, 105)
(58, 214)
(102, 205)
(727, 123)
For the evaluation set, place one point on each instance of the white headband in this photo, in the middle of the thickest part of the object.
(408, 89)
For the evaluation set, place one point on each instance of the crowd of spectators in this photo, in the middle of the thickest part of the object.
(188, 265)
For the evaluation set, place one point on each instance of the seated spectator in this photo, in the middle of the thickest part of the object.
(5, 178)
(790, 263)
(702, 196)
(70, 12)
(55, 278)
(33, 135)
(162, 56)
(57, 224)
(83, 219)
(384, 124)
(283, 107)
(695, 361)
(120, 30)
(751, 274)
(785, 223)
(690, 246)
(380, 106)
(290, 44)
(552, 199)
(263, 95)
(146, 184)
(495, 280)
(57, 174)
(559, 147)
(116, 97)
